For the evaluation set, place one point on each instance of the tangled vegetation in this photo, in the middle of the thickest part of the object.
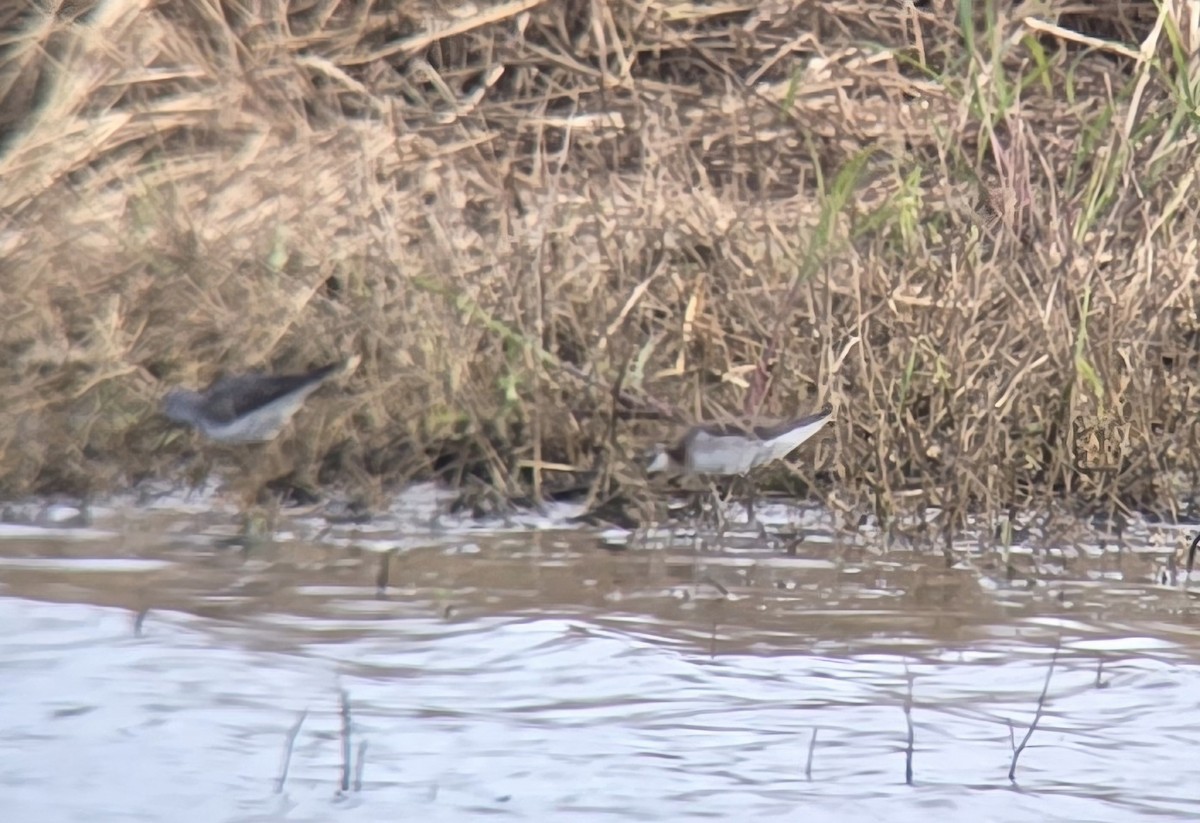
(556, 229)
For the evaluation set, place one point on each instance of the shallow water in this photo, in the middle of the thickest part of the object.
(523, 671)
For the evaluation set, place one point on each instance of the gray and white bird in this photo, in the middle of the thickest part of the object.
(730, 450)
(733, 450)
(248, 408)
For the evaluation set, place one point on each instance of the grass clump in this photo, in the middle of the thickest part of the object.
(543, 225)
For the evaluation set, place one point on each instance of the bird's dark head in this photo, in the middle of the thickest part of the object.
(180, 405)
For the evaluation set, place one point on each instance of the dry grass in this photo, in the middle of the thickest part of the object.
(978, 247)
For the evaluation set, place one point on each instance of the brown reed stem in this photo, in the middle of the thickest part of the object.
(1041, 707)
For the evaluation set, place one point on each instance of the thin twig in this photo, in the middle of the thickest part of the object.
(600, 491)
(647, 405)
(139, 621)
(603, 482)
(346, 759)
(358, 767)
(383, 579)
(812, 747)
(908, 705)
(289, 744)
(1041, 707)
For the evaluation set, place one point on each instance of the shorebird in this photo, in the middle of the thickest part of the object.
(730, 450)
(247, 408)
(250, 409)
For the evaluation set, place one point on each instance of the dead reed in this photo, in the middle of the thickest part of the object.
(1037, 716)
(289, 747)
(542, 221)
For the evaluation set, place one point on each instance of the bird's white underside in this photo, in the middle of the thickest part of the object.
(258, 426)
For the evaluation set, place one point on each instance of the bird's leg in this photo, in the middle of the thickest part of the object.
(718, 508)
(694, 509)
(258, 505)
(750, 499)
(258, 512)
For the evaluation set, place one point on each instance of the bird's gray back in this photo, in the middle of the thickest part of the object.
(245, 408)
(229, 398)
(783, 439)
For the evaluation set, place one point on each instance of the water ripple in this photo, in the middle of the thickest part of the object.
(552, 679)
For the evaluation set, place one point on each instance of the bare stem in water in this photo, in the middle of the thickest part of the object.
(346, 758)
(358, 766)
(908, 704)
(1041, 706)
(289, 744)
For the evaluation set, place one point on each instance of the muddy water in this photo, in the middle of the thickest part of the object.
(529, 672)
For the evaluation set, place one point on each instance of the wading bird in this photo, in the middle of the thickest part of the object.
(729, 450)
(248, 408)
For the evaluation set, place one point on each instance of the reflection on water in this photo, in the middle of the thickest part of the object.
(149, 675)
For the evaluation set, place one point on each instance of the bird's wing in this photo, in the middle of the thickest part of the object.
(228, 398)
(779, 429)
(711, 430)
